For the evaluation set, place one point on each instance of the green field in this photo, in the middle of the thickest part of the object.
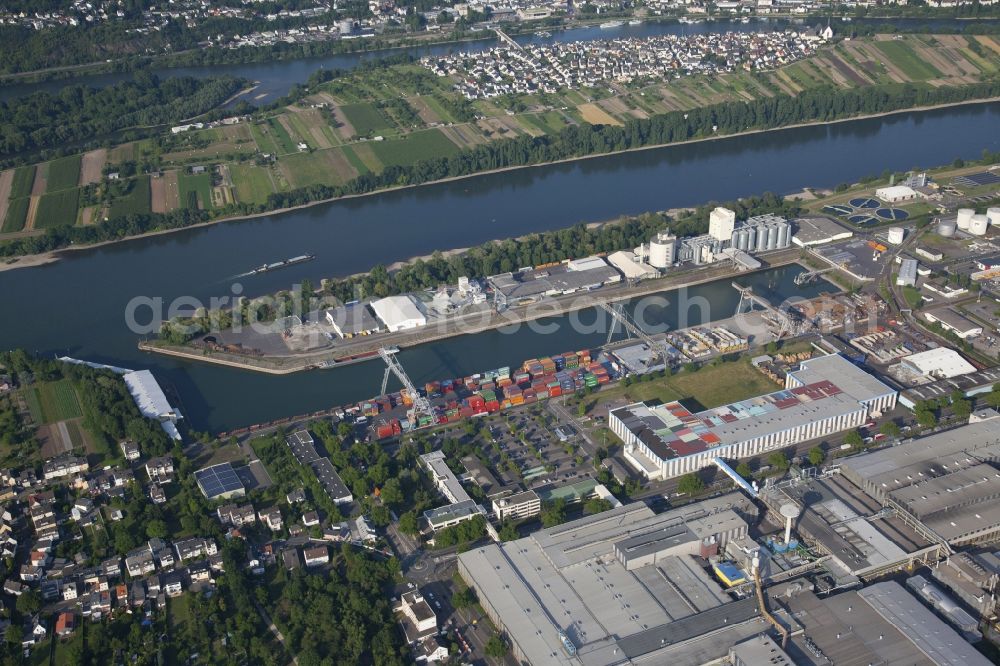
(57, 209)
(64, 173)
(195, 190)
(355, 161)
(413, 148)
(24, 178)
(262, 135)
(284, 142)
(308, 169)
(17, 213)
(252, 183)
(903, 57)
(136, 202)
(365, 118)
(53, 401)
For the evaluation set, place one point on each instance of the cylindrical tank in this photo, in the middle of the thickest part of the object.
(896, 235)
(993, 214)
(751, 238)
(946, 227)
(964, 217)
(772, 237)
(761, 239)
(740, 238)
(978, 225)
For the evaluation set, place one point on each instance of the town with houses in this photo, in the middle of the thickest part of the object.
(552, 67)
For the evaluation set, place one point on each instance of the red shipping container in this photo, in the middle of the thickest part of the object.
(492, 406)
(555, 391)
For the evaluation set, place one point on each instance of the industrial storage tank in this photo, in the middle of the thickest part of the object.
(946, 227)
(751, 238)
(978, 225)
(784, 236)
(772, 237)
(661, 250)
(761, 239)
(964, 217)
(993, 214)
(741, 239)
(896, 235)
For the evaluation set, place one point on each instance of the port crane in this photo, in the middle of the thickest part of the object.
(421, 405)
(809, 276)
(748, 299)
(618, 315)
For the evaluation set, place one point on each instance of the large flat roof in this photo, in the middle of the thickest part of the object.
(818, 230)
(354, 318)
(983, 380)
(397, 310)
(848, 377)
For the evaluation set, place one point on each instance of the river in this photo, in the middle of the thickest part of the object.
(276, 78)
(76, 306)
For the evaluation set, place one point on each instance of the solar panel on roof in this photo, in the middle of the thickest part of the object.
(977, 179)
(218, 479)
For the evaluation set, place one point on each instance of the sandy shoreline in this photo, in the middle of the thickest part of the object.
(49, 257)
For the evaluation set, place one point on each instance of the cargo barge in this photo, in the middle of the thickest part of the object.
(264, 268)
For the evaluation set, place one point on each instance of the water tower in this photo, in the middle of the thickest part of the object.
(790, 512)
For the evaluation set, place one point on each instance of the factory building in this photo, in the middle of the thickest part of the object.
(721, 223)
(558, 279)
(895, 193)
(622, 586)
(817, 231)
(399, 313)
(907, 276)
(631, 267)
(951, 320)
(353, 319)
(945, 482)
(665, 441)
(937, 363)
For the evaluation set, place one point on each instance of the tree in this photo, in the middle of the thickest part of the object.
(962, 408)
(554, 513)
(743, 469)
(890, 429)
(29, 602)
(156, 529)
(408, 523)
(926, 418)
(508, 532)
(463, 598)
(816, 456)
(854, 439)
(496, 647)
(690, 484)
(596, 505)
(778, 460)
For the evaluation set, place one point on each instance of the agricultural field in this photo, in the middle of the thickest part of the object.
(53, 401)
(195, 190)
(413, 148)
(64, 173)
(136, 202)
(24, 178)
(366, 119)
(57, 209)
(17, 215)
(252, 183)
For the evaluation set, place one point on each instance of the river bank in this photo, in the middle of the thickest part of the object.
(464, 325)
(54, 255)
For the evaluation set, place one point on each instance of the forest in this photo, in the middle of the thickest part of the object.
(817, 105)
(44, 120)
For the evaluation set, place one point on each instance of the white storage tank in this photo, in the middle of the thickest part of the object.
(896, 235)
(964, 218)
(993, 215)
(784, 236)
(661, 250)
(978, 225)
(947, 227)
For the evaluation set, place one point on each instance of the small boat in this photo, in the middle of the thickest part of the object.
(612, 24)
(635, 22)
(543, 33)
(264, 268)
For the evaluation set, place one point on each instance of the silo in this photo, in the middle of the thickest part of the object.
(761, 239)
(740, 239)
(993, 215)
(751, 238)
(946, 227)
(978, 225)
(661, 250)
(772, 237)
(784, 236)
(964, 217)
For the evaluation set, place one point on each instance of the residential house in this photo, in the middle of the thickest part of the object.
(160, 470)
(65, 624)
(70, 590)
(64, 467)
(156, 494)
(172, 583)
(310, 518)
(112, 567)
(237, 516)
(130, 450)
(82, 507)
(200, 572)
(11, 586)
(296, 496)
(30, 574)
(416, 616)
(272, 518)
(316, 556)
(290, 558)
(139, 562)
(196, 547)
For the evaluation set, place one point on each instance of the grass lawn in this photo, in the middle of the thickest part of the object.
(903, 57)
(355, 161)
(365, 118)
(53, 401)
(413, 148)
(57, 209)
(136, 201)
(64, 173)
(180, 610)
(195, 190)
(251, 182)
(280, 136)
(17, 214)
(64, 648)
(308, 169)
(24, 178)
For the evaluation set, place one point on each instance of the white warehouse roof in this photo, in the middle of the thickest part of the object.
(940, 363)
(399, 312)
(586, 264)
(630, 268)
(895, 193)
(151, 401)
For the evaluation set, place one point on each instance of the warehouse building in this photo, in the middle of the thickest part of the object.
(896, 193)
(353, 319)
(937, 363)
(952, 321)
(826, 395)
(972, 384)
(945, 482)
(559, 279)
(399, 312)
(907, 276)
(817, 231)
(630, 267)
(626, 584)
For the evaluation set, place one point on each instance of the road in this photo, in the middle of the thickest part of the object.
(274, 630)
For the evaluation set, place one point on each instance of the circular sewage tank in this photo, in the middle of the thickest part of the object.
(892, 213)
(863, 202)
